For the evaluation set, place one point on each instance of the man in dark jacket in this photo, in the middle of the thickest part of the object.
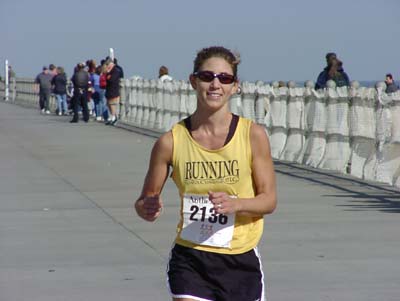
(121, 71)
(333, 71)
(113, 77)
(390, 84)
(80, 80)
(59, 83)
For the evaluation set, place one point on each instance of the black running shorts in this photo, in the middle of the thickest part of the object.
(208, 276)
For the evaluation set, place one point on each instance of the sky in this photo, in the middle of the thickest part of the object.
(277, 40)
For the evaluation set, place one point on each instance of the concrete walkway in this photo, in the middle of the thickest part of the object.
(68, 231)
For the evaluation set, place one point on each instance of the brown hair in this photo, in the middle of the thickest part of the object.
(99, 70)
(216, 51)
(60, 70)
(163, 71)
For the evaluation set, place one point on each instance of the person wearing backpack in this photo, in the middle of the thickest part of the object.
(80, 80)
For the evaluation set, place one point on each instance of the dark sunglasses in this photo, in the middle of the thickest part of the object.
(208, 76)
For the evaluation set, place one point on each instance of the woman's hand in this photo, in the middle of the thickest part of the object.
(223, 203)
(149, 208)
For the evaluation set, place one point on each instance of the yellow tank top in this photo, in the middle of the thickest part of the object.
(197, 170)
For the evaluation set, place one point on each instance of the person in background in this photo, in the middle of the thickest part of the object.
(391, 86)
(333, 71)
(91, 68)
(70, 97)
(121, 71)
(81, 80)
(113, 77)
(222, 166)
(59, 84)
(163, 74)
(281, 84)
(43, 86)
(11, 73)
(103, 86)
(98, 94)
(53, 70)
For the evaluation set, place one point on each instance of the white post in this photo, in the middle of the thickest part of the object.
(7, 82)
(111, 51)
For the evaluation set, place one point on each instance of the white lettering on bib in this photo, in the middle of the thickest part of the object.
(202, 225)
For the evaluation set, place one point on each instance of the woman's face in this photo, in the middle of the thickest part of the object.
(214, 95)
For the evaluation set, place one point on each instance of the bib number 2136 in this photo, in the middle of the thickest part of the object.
(202, 225)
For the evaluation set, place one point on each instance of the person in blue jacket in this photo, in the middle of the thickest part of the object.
(334, 71)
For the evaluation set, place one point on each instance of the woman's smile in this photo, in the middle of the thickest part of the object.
(213, 95)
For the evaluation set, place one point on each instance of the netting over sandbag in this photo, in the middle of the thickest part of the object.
(363, 150)
(248, 100)
(337, 112)
(175, 103)
(315, 125)
(362, 120)
(183, 98)
(370, 167)
(192, 100)
(262, 91)
(146, 103)
(388, 166)
(384, 119)
(139, 102)
(235, 104)
(337, 152)
(159, 104)
(152, 103)
(314, 149)
(295, 126)
(168, 90)
(277, 141)
(125, 87)
(266, 96)
(395, 112)
(388, 153)
(132, 101)
(362, 116)
(278, 106)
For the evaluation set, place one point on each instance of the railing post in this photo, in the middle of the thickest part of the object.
(337, 152)
(278, 121)
(7, 84)
(295, 141)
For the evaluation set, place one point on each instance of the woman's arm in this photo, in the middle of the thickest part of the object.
(264, 181)
(149, 204)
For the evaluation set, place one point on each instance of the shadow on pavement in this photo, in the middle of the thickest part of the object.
(364, 195)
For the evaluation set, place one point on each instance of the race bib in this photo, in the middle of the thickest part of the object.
(203, 226)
